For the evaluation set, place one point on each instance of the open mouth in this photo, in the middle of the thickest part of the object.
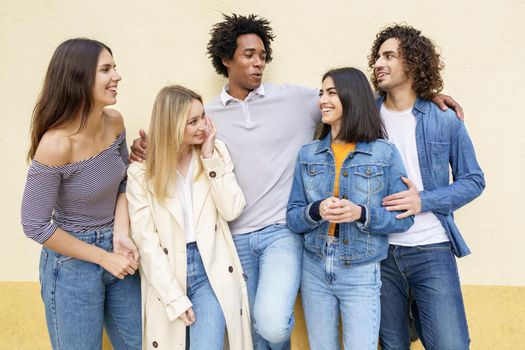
(380, 75)
(112, 89)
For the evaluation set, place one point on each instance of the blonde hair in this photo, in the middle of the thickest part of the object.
(166, 135)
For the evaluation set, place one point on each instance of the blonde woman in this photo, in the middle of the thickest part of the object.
(180, 201)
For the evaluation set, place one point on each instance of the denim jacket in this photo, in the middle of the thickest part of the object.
(442, 142)
(368, 174)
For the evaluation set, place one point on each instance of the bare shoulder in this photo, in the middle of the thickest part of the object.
(114, 120)
(55, 148)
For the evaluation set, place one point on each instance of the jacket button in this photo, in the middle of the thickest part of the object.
(165, 251)
(155, 344)
(368, 171)
(345, 174)
(213, 174)
(245, 276)
(215, 227)
(230, 268)
(347, 263)
(345, 241)
(345, 197)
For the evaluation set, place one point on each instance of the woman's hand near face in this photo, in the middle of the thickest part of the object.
(209, 142)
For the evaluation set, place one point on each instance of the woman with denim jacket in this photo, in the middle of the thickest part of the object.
(339, 183)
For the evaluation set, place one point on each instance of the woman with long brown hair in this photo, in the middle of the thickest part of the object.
(74, 202)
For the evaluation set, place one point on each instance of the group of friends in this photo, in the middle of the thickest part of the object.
(229, 208)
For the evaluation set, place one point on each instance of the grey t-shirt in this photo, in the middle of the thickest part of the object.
(264, 134)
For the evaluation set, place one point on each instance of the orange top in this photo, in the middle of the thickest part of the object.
(340, 150)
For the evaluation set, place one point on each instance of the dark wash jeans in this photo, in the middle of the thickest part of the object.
(430, 273)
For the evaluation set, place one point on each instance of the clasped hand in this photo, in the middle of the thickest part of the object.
(337, 211)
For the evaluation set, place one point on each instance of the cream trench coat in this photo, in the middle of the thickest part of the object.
(158, 231)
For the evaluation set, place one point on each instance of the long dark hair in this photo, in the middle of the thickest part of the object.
(67, 90)
(360, 121)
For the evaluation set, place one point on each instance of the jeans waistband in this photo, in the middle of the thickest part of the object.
(95, 235)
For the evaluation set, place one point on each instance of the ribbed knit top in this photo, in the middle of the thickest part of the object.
(76, 197)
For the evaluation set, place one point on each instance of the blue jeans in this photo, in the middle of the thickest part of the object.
(271, 260)
(207, 332)
(330, 290)
(430, 273)
(81, 297)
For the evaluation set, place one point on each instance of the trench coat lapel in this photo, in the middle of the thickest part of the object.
(200, 190)
(174, 206)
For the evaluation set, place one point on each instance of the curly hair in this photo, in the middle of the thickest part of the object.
(223, 42)
(419, 54)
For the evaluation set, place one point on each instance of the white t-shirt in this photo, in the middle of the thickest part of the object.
(183, 187)
(401, 130)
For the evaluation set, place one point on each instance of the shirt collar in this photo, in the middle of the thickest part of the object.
(225, 96)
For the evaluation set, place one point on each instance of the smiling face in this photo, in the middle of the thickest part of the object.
(330, 105)
(106, 80)
(245, 69)
(389, 68)
(195, 129)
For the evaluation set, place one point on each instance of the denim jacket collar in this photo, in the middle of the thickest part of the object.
(422, 106)
(325, 146)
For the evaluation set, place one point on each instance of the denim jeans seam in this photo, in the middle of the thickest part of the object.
(118, 330)
(53, 302)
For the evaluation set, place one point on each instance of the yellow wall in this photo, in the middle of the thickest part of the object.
(496, 317)
(164, 41)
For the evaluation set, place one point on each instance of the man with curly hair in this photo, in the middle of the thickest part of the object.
(421, 262)
(263, 125)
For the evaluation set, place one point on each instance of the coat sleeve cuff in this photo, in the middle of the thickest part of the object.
(177, 307)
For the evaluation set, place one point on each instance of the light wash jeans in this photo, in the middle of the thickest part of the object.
(271, 260)
(81, 297)
(430, 273)
(207, 332)
(330, 290)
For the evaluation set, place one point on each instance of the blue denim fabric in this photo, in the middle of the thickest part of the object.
(368, 174)
(430, 272)
(81, 297)
(207, 332)
(442, 142)
(271, 260)
(329, 289)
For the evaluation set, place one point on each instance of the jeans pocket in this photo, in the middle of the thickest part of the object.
(62, 259)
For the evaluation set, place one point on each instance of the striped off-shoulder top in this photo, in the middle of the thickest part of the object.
(76, 197)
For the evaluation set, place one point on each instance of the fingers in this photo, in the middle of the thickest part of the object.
(142, 134)
(211, 125)
(191, 314)
(188, 317)
(395, 196)
(409, 183)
